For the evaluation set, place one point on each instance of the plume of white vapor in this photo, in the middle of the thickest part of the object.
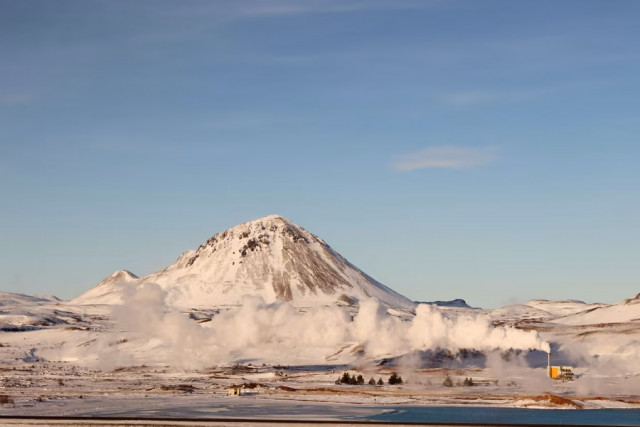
(150, 331)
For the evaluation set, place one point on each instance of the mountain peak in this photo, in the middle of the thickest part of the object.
(250, 237)
(269, 219)
(265, 223)
(272, 217)
(270, 257)
(123, 275)
(109, 290)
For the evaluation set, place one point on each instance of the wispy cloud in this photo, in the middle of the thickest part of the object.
(446, 157)
(296, 7)
(16, 99)
(474, 98)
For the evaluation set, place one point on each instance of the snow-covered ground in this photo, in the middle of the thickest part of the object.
(66, 359)
(271, 307)
(45, 388)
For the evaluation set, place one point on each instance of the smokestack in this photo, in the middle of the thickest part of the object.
(549, 364)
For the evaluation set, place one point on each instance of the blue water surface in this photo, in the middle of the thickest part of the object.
(484, 415)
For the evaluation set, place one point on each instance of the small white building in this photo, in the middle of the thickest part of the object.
(234, 391)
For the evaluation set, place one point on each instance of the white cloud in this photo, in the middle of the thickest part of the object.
(474, 98)
(296, 7)
(446, 157)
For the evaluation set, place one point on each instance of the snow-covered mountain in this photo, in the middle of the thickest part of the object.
(542, 310)
(627, 310)
(270, 257)
(512, 314)
(109, 290)
(570, 312)
(455, 303)
(563, 307)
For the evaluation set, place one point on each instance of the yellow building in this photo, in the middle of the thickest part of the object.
(561, 373)
(234, 391)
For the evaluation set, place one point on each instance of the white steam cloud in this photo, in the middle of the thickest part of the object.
(147, 330)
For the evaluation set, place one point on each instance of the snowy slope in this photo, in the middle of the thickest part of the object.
(511, 314)
(624, 311)
(563, 307)
(7, 299)
(109, 290)
(18, 310)
(542, 310)
(599, 335)
(270, 257)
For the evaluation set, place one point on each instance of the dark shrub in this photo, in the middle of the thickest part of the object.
(395, 379)
(346, 378)
(448, 382)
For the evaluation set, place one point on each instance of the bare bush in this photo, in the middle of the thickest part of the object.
(6, 400)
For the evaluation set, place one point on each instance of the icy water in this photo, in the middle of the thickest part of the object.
(288, 410)
(485, 415)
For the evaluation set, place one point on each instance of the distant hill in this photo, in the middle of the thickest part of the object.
(457, 303)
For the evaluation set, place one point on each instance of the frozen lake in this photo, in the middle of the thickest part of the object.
(393, 414)
(291, 410)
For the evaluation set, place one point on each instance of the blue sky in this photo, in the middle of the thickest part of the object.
(451, 149)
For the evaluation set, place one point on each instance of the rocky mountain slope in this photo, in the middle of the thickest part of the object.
(271, 257)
